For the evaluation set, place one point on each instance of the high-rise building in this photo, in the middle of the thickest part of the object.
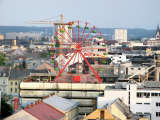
(1, 37)
(121, 35)
(158, 33)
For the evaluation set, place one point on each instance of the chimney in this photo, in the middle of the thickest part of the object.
(102, 115)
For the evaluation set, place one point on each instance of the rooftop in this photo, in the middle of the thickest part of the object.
(60, 103)
(19, 74)
(42, 111)
(21, 115)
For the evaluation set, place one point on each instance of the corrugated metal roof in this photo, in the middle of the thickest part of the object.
(21, 115)
(42, 111)
(60, 103)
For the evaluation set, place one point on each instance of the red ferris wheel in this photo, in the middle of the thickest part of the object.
(75, 46)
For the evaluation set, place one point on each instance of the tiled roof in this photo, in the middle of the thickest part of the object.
(46, 66)
(4, 71)
(43, 111)
(21, 115)
(60, 103)
(19, 74)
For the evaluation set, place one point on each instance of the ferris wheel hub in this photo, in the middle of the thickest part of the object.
(78, 47)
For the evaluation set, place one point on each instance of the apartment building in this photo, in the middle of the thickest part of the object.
(143, 99)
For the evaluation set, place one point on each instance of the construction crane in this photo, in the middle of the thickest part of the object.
(156, 62)
(57, 24)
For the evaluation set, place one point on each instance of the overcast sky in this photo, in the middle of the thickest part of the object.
(102, 13)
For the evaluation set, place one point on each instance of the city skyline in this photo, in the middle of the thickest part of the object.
(103, 13)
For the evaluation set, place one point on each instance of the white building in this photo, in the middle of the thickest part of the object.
(24, 35)
(142, 99)
(135, 44)
(121, 35)
(4, 76)
(117, 59)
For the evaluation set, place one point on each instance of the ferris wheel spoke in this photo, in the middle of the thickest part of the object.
(78, 63)
(88, 40)
(73, 63)
(83, 31)
(92, 69)
(74, 36)
(93, 48)
(89, 33)
(57, 67)
(78, 31)
(62, 36)
(61, 71)
(68, 34)
(83, 64)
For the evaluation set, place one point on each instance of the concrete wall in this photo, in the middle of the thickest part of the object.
(67, 94)
(84, 93)
(62, 86)
(73, 114)
(116, 112)
(141, 105)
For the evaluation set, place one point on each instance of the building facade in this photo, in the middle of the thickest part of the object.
(155, 41)
(4, 76)
(142, 100)
(121, 35)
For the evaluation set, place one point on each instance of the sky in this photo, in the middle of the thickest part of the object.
(101, 13)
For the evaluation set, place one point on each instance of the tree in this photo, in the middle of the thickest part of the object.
(2, 59)
(6, 109)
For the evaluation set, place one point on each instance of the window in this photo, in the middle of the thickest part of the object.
(4, 82)
(147, 113)
(11, 83)
(147, 103)
(157, 114)
(4, 74)
(139, 95)
(11, 90)
(15, 90)
(143, 94)
(15, 83)
(155, 94)
(138, 103)
(139, 68)
(158, 104)
(147, 94)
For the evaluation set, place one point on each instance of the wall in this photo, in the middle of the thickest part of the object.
(81, 92)
(4, 85)
(13, 87)
(116, 112)
(140, 105)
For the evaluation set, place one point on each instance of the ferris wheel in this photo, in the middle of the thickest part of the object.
(75, 46)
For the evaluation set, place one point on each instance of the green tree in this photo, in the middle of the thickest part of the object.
(2, 59)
